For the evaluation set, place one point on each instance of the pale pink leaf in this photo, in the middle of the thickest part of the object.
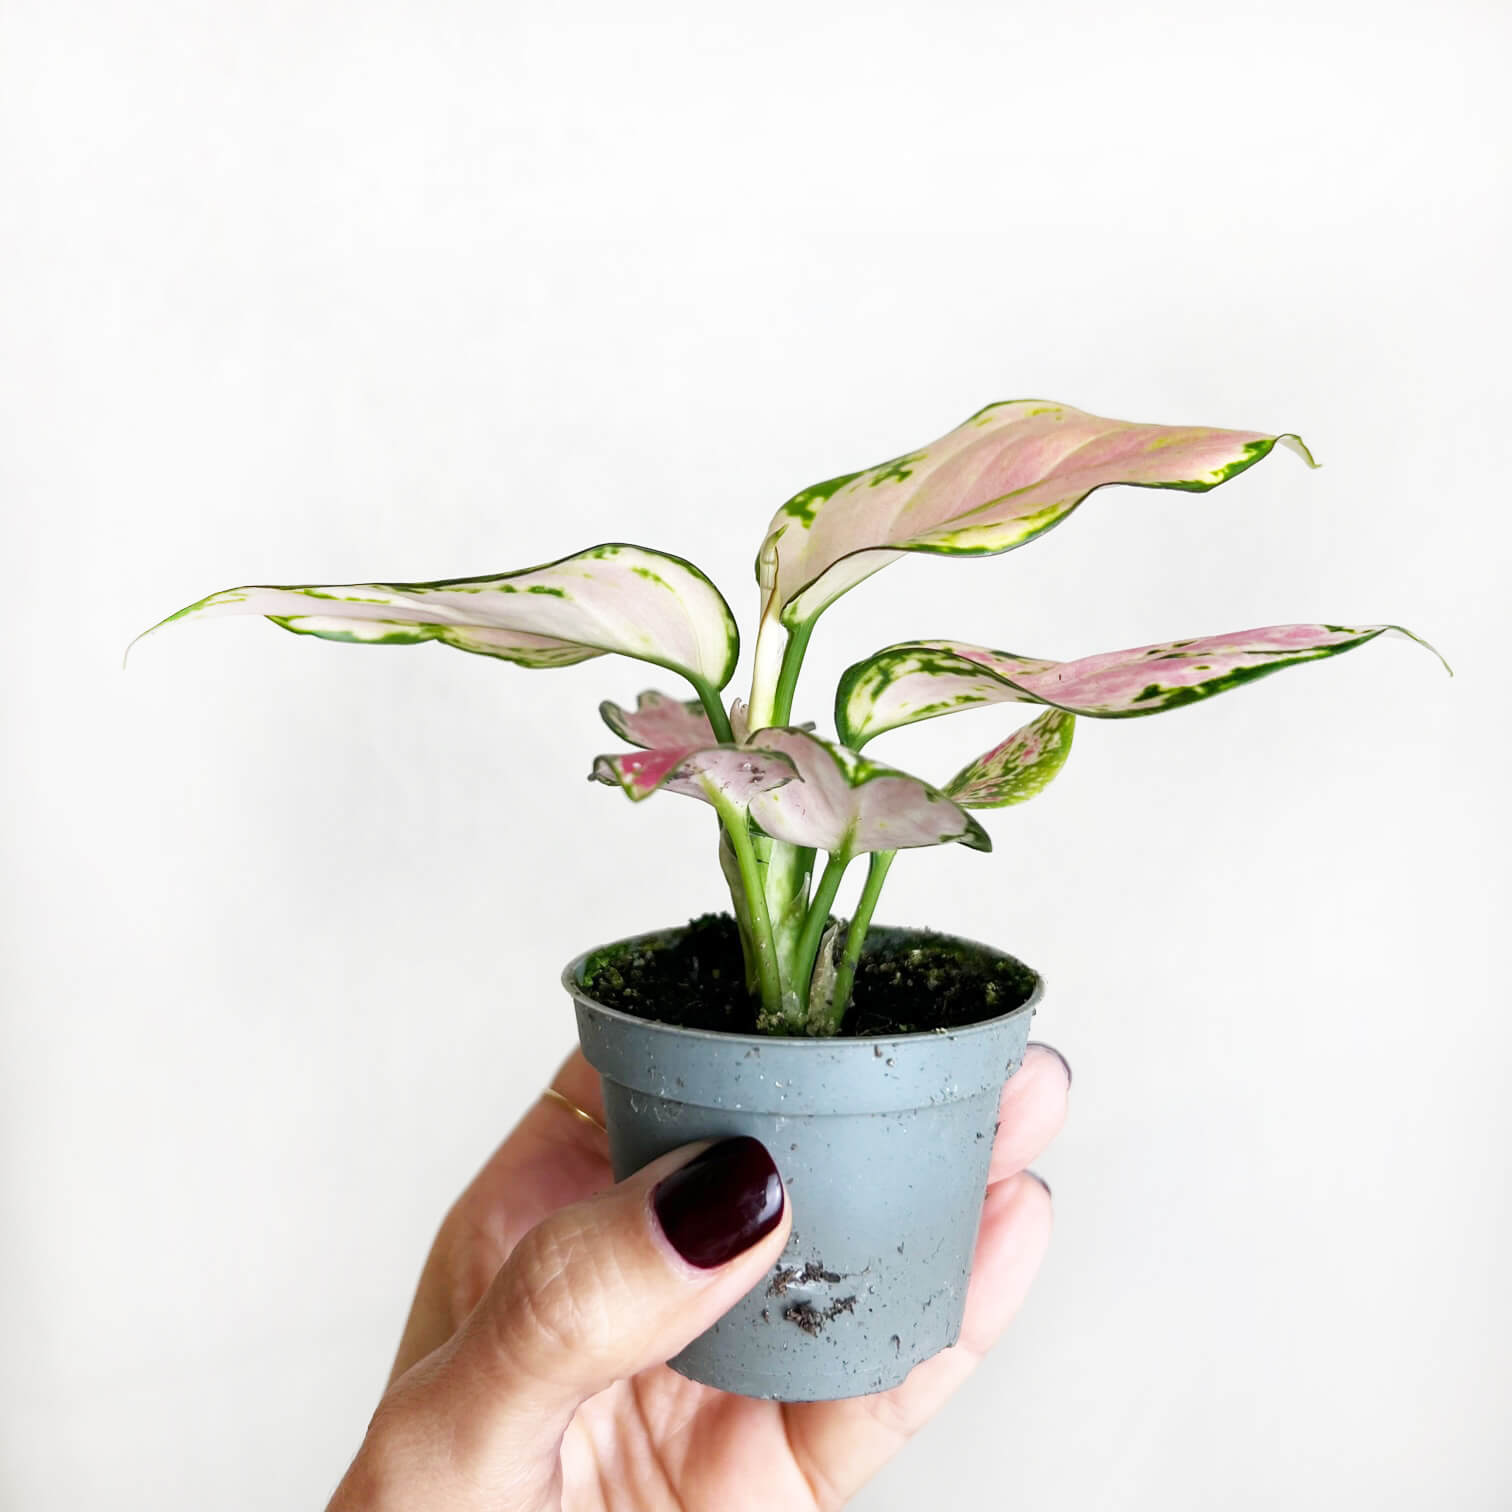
(1022, 766)
(844, 802)
(658, 722)
(611, 598)
(1008, 474)
(924, 679)
(736, 773)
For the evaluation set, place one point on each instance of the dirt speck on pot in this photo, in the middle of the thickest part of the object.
(791, 1275)
(813, 1320)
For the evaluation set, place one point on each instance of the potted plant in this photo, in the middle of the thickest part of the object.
(868, 1060)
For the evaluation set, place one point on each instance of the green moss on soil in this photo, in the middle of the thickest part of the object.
(908, 981)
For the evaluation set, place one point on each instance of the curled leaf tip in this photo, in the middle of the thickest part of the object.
(1426, 645)
(1294, 443)
(976, 838)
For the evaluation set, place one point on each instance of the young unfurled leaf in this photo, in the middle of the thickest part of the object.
(1007, 475)
(924, 679)
(1022, 766)
(737, 773)
(846, 804)
(611, 598)
(821, 1018)
(740, 722)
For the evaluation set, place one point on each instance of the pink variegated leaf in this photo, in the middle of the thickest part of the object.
(846, 804)
(735, 773)
(1007, 475)
(611, 598)
(658, 722)
(1022, 766)
(924, 679)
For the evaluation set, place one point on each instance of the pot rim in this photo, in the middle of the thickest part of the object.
(572, 981)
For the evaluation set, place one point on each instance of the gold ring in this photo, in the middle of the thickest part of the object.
(552, 1095)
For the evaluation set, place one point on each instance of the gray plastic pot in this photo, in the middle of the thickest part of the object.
(883, 1144)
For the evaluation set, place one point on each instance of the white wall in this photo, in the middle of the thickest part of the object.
(335, 291)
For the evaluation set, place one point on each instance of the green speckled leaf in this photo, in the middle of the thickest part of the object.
(610, 598)
(1021, 767)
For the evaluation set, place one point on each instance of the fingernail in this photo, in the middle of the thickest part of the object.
(1037, 1177)
(1040, 1045)
(720, 1203)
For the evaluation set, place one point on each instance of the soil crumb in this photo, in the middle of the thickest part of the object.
(908, 981)
(791, 1275)
(813, 1320)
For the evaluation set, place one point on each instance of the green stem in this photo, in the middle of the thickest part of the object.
(785, 873)
(814, 922)
(787, 679)
(742, 910)
(768, 979)
(709, 698)
(866, 905)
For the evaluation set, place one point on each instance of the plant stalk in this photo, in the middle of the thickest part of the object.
(772, 704)
(765, 672)
(866, 905)
(787, 679)
(763, 948)
(708, 696)
(742, 910)
(785, 874)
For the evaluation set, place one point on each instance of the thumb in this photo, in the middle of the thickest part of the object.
(595, 1293)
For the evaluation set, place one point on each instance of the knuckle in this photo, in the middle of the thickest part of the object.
(470, 1252)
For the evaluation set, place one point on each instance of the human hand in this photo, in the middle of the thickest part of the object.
(531, 1374)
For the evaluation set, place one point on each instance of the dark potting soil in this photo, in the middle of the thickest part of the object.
(906, 982)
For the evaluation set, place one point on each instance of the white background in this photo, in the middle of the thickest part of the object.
(342, 291)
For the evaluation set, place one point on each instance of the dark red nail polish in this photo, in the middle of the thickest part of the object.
(720, 1203)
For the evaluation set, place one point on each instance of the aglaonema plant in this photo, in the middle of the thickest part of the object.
(783, 794)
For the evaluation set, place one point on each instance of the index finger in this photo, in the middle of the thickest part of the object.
(556, 1155)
